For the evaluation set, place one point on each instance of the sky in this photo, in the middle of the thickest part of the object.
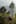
(6, 2)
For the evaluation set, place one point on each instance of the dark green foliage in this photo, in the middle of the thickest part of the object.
(15, 15)
(3, 8)
(11, 5)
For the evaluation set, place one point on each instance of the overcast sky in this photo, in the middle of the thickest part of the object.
(6, 2)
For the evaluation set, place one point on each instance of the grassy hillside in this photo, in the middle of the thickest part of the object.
(8, 15)
(4, 14)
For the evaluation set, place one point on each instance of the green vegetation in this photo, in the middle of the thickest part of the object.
(15, 15)
(4, 14)
(11, 5)
(3, 9)
(14, 20)
(8, 15)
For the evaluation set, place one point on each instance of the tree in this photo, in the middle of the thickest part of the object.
(11, 5)
(3, 10)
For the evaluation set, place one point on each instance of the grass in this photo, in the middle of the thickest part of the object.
(4, 14)
(8, 15)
